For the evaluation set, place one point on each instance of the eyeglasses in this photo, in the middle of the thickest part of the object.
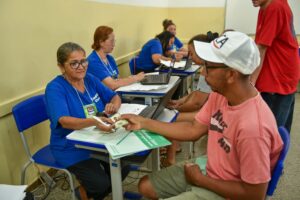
(75, 64)
(206, 67)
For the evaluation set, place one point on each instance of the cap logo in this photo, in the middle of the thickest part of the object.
(220, 41)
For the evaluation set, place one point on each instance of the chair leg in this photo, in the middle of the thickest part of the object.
(71, 184)
(23, 171)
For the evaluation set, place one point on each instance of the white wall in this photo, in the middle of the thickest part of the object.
(167, 3)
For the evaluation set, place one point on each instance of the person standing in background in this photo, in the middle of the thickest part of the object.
(177, 46)
(278, 74)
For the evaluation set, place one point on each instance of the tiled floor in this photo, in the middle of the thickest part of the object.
(288, 188)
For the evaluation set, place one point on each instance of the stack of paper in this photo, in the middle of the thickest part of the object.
(95, 136)
(121, 143)
(179, 64)
(136, 141)
(140, 87)
(12, 192)
(131, 108)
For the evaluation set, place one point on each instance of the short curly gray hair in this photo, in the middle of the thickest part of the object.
(64, 51)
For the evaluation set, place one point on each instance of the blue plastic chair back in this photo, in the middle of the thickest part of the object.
(30, 112)
(277, 171)
(132, 65)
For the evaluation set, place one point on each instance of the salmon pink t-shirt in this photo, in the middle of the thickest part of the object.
(243, 140)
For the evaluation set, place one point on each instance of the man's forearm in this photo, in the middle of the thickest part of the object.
(182, 131)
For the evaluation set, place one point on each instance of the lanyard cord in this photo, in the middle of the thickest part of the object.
(110, 70)
(79, 96)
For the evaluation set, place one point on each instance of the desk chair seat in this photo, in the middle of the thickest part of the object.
(27, 114)
(277, 171)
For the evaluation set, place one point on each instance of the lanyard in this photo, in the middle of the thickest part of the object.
(108, 67)
(89, 110)
(79, 96)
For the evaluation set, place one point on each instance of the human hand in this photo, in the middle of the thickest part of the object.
(110, 108)
(104, 124)
(173, 104)
(135, 122)
(140, 76)
(178, 56)
(192, 173)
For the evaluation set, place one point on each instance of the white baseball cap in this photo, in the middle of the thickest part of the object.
(234, 49)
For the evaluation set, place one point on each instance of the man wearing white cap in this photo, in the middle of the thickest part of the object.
(243, 141)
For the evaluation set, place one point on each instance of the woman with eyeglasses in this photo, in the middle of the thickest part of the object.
(155, 50)
(103, 65)
(72, 99)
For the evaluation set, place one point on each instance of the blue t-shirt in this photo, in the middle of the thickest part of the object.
(144, 60)
(62, 100)
(100, 69)
(176, 45)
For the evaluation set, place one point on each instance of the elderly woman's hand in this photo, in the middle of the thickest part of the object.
(110, 108)
(140, 76)
(105, 124)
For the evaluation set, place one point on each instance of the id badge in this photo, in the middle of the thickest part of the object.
(90, 110)
(114, 75)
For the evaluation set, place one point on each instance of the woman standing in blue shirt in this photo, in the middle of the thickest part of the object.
(103, 65)
(177, 47)
(155, 50)
(72, 99)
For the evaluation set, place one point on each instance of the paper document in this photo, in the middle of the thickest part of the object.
(201, 162)
(136, 141)
(121, 143)
(95, 136)
(12, 192)
(140, 87)
(168, 63)
(152, 73)
(131, 108)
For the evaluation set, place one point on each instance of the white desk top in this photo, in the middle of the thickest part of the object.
(115, 169)
(91, 136)
(158, 93)
(187, 72)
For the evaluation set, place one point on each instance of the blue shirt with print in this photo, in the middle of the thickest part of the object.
(100, 69)
(62, 100)
(176, 45)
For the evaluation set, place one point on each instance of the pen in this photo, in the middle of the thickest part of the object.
(124, 137)
(101, 122)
